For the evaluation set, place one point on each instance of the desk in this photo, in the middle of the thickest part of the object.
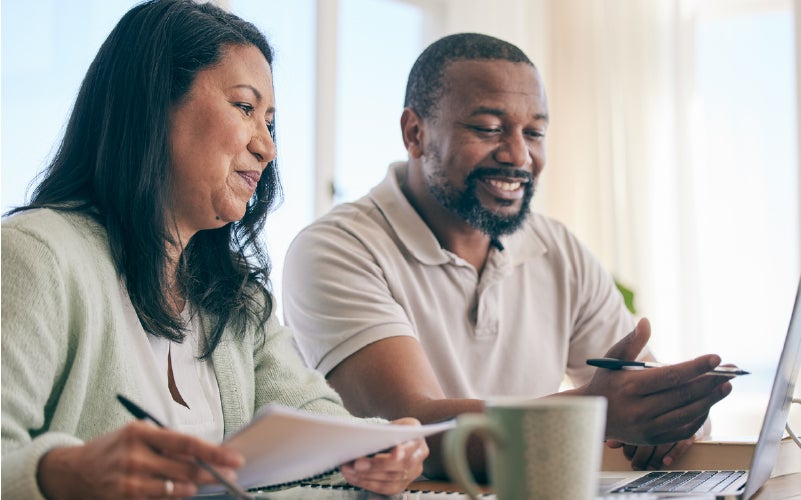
(787, 487)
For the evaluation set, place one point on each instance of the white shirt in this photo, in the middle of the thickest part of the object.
(195, 379)
(196, 383)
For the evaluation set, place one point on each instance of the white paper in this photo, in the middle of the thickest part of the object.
(282, 445)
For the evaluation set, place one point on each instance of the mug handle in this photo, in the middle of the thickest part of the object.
(455, 444)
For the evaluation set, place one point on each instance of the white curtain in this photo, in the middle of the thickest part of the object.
(613, 154)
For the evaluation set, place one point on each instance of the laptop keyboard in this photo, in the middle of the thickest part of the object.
(682, 482)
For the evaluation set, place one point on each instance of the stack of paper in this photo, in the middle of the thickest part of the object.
(284, 445)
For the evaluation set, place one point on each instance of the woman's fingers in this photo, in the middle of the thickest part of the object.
(391, 472)
(136, 461)
(166, 488)
(176, 444)
(172, 455)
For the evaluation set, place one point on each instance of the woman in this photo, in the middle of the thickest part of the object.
(137, 269)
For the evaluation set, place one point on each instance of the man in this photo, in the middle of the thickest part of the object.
(440, 288)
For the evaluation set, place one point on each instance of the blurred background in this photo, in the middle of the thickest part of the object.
(673, 148)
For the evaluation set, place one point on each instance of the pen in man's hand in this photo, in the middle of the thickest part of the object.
(141, 414)
(620, 364)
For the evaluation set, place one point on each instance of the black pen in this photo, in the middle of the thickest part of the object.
(620, 364)
(141, 414)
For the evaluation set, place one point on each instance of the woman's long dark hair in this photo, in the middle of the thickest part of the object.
(114, 162)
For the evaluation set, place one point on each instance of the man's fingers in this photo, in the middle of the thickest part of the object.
(678, 419)
(678, 450)
(678, 376)
(685, 418)
(659, 454)
(630, 346)
(678, 429)
(642, 457)
(629, 451)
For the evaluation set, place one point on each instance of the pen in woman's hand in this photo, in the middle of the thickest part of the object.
(620, 364)
(141, 414)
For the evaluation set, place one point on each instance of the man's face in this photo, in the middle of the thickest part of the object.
(484, 145)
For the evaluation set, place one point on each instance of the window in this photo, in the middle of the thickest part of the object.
(741, 219)
(746, 178)
(290, 28)
(43, 63)
(371, 83)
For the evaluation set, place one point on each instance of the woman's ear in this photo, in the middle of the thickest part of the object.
(412, 130)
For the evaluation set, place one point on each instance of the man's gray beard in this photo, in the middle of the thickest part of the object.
(468, 207)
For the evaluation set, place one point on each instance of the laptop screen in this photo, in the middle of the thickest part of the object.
(778, 405)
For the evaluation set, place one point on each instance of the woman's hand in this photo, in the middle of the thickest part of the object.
(391, 472)
(137, 461)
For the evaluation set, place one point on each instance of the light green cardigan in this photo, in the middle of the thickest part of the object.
(65, 353)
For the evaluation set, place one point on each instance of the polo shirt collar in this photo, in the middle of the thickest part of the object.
(524, 244)
(412, 231)
(420, 241)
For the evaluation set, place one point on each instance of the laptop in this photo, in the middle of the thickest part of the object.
(728, 484)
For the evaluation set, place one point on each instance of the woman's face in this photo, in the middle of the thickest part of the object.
(220, 141)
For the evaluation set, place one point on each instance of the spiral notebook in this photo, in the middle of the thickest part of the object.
(284, 446)
(317, 492)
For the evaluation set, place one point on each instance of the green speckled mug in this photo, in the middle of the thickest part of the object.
(547, 448)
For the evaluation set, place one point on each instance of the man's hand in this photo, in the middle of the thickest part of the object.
(659, 457)
(644, 457)
(657, 406)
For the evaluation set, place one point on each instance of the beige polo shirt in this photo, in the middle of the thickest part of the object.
(372, 269)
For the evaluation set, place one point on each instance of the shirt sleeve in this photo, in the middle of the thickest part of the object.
(601, 318)
(337, 299)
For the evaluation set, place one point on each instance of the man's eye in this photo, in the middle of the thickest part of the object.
(486, 130)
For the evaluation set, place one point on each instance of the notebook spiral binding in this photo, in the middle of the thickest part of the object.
(315, 480)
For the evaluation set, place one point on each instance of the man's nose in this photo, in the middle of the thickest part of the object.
(513, 151)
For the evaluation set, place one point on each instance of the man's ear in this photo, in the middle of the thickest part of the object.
(412, 130)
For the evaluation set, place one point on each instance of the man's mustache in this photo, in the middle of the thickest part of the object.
(509, 172)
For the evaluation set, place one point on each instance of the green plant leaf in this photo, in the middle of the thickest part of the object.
(628, 296)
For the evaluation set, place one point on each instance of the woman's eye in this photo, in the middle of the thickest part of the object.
(245, 107)
(271, 128)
